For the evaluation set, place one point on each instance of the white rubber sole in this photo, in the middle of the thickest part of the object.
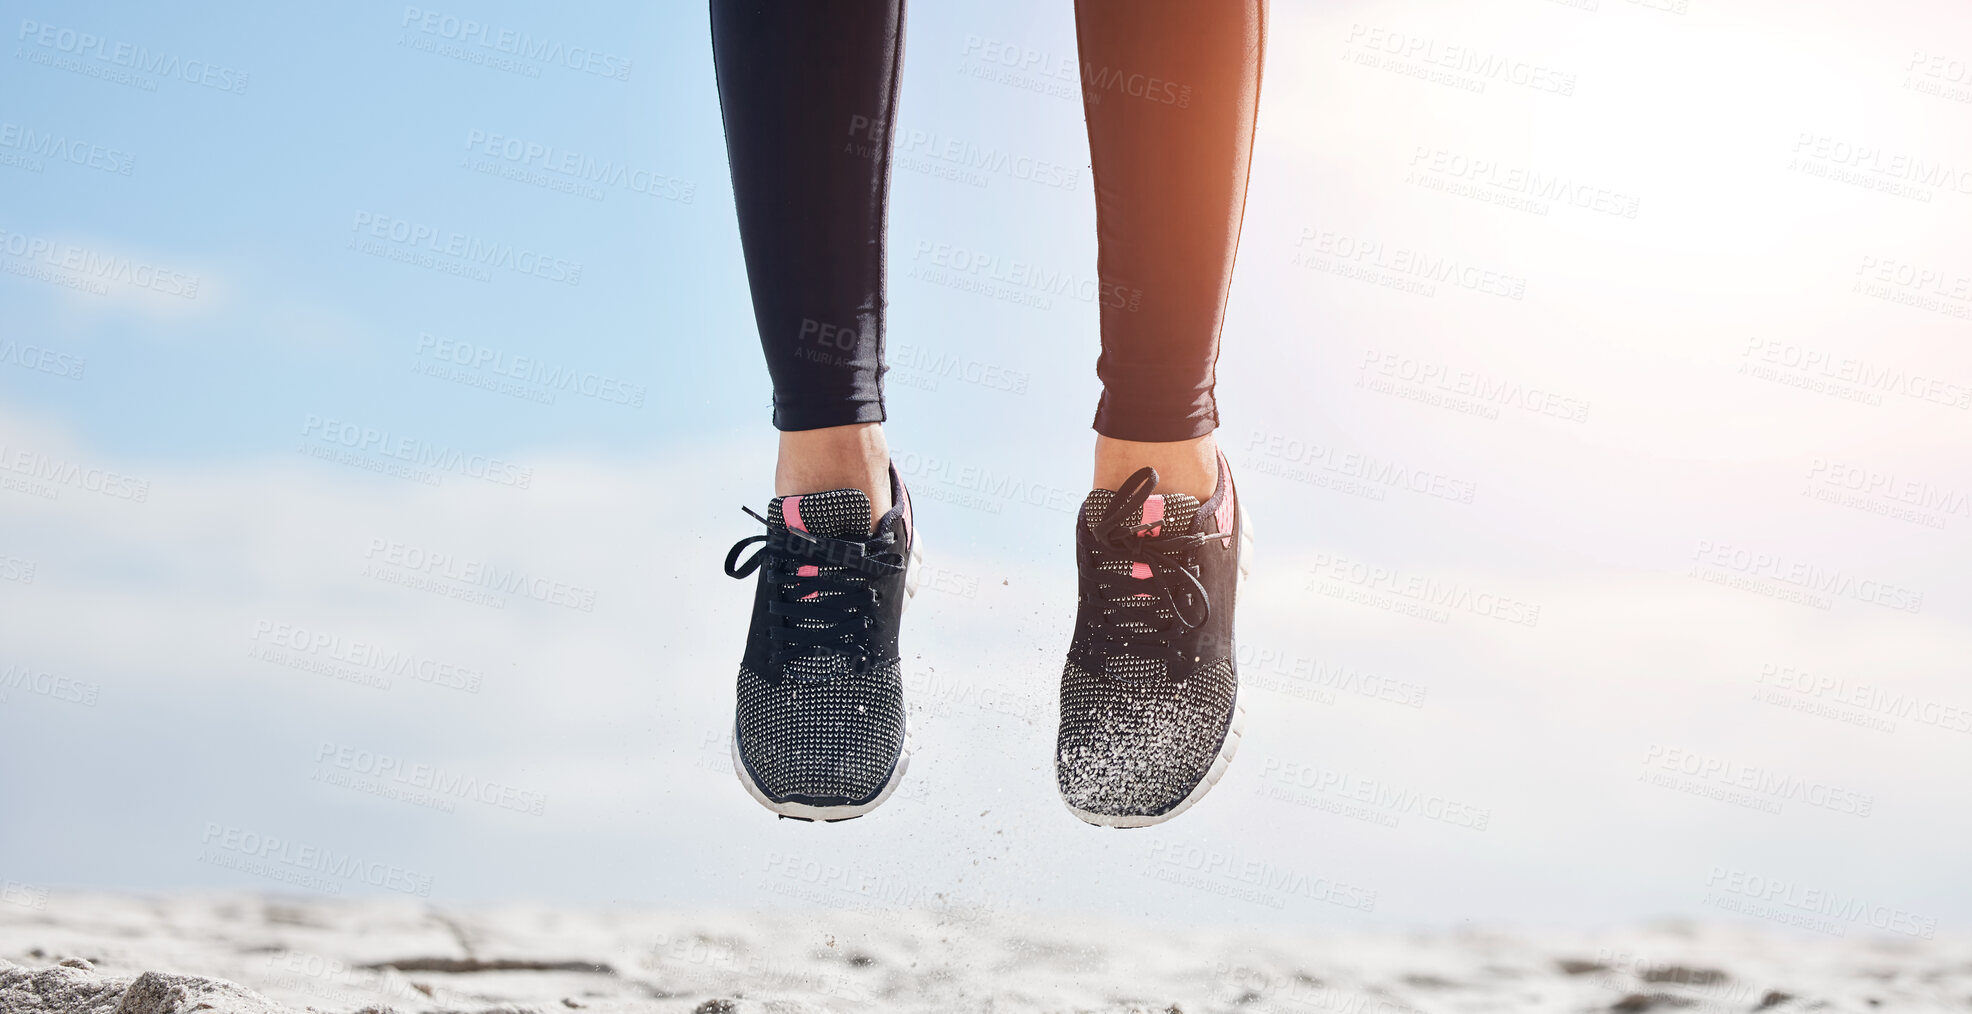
(803, 811)
(1233, 732)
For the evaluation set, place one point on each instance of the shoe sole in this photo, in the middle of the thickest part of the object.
(831, 814)
(1233, 731)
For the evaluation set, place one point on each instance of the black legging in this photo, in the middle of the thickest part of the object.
(808, 89)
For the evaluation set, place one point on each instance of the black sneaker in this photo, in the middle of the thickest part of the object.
(819, 733)
(1150, 709)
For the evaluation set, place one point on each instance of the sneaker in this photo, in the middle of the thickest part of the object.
(1150, 709)
(819, 731)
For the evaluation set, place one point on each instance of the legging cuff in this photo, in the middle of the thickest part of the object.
(792, 416)
(1157, 425)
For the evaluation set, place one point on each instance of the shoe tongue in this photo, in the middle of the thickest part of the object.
(1172, 512)
(835, 512)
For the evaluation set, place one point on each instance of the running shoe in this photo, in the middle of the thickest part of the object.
(1150, 708)
(819, 730)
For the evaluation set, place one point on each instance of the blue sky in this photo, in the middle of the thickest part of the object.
(1596, 375)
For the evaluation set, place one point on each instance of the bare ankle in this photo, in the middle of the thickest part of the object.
(1183, 466)
(836, 457)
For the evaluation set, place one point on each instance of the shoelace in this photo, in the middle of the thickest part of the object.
(824, 612)
(1166, 556)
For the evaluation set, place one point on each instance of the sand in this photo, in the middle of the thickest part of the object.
(110, 954)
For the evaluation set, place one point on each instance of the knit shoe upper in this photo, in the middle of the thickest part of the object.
(820, 716)
(1149, 692)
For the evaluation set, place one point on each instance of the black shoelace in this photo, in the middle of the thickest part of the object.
(1170, 560)
(826, 613)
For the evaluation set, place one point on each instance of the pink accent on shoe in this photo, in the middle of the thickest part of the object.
(1140, 570)
(1223, 516)
(1153, 512)
(791, 513)
(810, 595)
(808, 570)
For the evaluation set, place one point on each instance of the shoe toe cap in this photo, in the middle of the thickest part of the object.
(1139, 750)
(833, 743)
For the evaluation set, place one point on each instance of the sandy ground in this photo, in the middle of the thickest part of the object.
(84, 952)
